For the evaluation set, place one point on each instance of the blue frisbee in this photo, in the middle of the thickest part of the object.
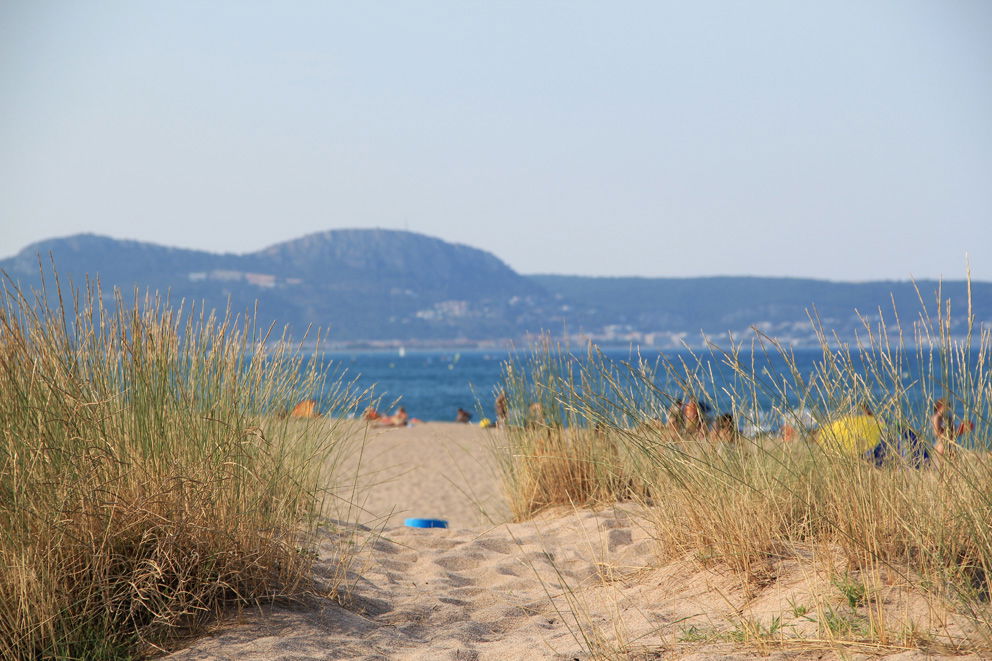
(426, 523)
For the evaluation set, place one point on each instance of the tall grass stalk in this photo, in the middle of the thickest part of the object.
(147, 481)
(601, 434)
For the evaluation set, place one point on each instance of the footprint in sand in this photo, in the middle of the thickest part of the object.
(617, 538)
(468, 592)
(460, 562)
(494, 545)
(457, 580)
(514, 569)
(395, 565)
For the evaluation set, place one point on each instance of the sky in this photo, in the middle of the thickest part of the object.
(837, 140)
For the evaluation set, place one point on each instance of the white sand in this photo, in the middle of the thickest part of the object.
(560, 586)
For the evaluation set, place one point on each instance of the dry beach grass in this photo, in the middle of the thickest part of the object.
(758, 504)
(144, 486)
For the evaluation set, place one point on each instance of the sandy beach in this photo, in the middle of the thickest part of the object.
(435, 469)
(566, 585)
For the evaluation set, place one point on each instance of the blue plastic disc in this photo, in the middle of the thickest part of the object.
(427, 523)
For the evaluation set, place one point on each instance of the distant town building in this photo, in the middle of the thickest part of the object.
(224, 275)
(261, 279)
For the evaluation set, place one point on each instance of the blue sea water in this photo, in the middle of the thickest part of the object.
(433, 384)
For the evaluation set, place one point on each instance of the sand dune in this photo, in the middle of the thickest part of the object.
(567, 585)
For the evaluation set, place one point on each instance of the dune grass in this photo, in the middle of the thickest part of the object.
(600, 435)
(147, 480)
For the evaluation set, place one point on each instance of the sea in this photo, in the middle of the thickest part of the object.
(433, 384)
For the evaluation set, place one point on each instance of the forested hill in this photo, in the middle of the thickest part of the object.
(383, 286)
(360, 284)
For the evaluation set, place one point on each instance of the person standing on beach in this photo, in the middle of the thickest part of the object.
(502, 410)
(942, 422)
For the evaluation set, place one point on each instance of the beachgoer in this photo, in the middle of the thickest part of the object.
(502, 409)
(942, 422)
(535, 415)
(305, 409)
(400, 418)
(901, 446)
(694, 416)
(371, 414)
(725, 430)
(462, 415)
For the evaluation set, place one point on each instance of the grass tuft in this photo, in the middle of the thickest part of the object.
(147, 480)
(585, 431)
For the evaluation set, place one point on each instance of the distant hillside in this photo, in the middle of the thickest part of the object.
(363, 284)
(781, 307)
(383, 286)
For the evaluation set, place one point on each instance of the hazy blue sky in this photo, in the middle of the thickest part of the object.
(843, 140)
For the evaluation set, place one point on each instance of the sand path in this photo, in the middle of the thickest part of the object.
(436, 469)
(563, 586)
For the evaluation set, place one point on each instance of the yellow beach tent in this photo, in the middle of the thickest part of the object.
(852, 434)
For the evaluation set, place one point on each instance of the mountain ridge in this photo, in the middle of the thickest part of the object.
(393, 286)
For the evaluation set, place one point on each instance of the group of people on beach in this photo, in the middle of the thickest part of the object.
(401, 418)
(689, 417)
(398, 419)
(900, 441)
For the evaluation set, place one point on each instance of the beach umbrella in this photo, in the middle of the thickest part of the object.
(852, 434)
